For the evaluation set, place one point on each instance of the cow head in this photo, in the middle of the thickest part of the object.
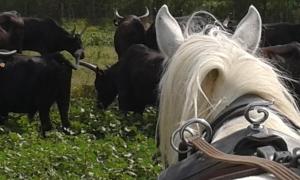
(11, 30)
(119, 19)
(75, 44)
(11, 17)
(106, 88)
(104, 84)
(130, 30)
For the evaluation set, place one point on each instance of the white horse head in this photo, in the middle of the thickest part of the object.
(205, 72)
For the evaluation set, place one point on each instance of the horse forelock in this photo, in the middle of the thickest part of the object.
(206, 74)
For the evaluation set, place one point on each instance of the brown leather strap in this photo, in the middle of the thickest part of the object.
(235, 172)
(224, 171)
(277, 169)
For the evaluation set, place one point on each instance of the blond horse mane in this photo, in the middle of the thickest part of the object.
(206, 74)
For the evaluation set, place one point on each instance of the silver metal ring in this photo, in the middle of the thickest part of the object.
(173, 139)
(203, 122)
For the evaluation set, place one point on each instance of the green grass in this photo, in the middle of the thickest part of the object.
(107, 145)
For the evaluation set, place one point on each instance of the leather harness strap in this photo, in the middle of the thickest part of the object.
(239, 106)
(278, 170)
(232, 173)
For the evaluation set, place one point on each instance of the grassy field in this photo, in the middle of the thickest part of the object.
(107, 145)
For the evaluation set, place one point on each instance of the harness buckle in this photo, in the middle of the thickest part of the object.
(296, 158)
(266, 152)
(283, 156)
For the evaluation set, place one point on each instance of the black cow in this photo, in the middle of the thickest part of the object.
(46, 36)
(287, 59)
(11, 31)
(105, 83)
(280, 33)
(139, 74)
(134, 78)
(150, 37)
(130, 30)
(30, 84)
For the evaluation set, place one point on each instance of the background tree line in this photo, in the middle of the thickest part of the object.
(102, 10)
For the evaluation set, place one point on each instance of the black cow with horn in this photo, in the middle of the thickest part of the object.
(134, 79)
(46, 36)
(130, 30)
(105, 83)
(30, 84)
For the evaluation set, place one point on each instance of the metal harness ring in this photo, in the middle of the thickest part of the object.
(184, 128)
(257, 123)
(173, 139)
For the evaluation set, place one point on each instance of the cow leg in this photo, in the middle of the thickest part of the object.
(123, 106)
(63, 108)
(140, 109)
(30, 116)
(45, 120)
(63, 99)
(125, 101)
(3, 117)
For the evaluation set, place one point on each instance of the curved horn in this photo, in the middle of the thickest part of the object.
(89, 66)
(226, 22)
(146, 14)
(7, 53)
(118, 15)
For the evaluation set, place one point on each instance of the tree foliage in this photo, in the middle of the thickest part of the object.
(99, 10)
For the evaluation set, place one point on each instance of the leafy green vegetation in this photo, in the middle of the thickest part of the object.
(106, 144)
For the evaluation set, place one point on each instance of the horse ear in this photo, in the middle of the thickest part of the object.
(226, 22)
(168, 32)
(248, 31)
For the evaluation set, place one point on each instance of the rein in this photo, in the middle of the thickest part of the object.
(277, 169)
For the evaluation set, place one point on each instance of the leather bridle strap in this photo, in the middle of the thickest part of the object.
(278, 170)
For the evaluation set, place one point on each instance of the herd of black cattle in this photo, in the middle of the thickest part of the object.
(31, 84)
